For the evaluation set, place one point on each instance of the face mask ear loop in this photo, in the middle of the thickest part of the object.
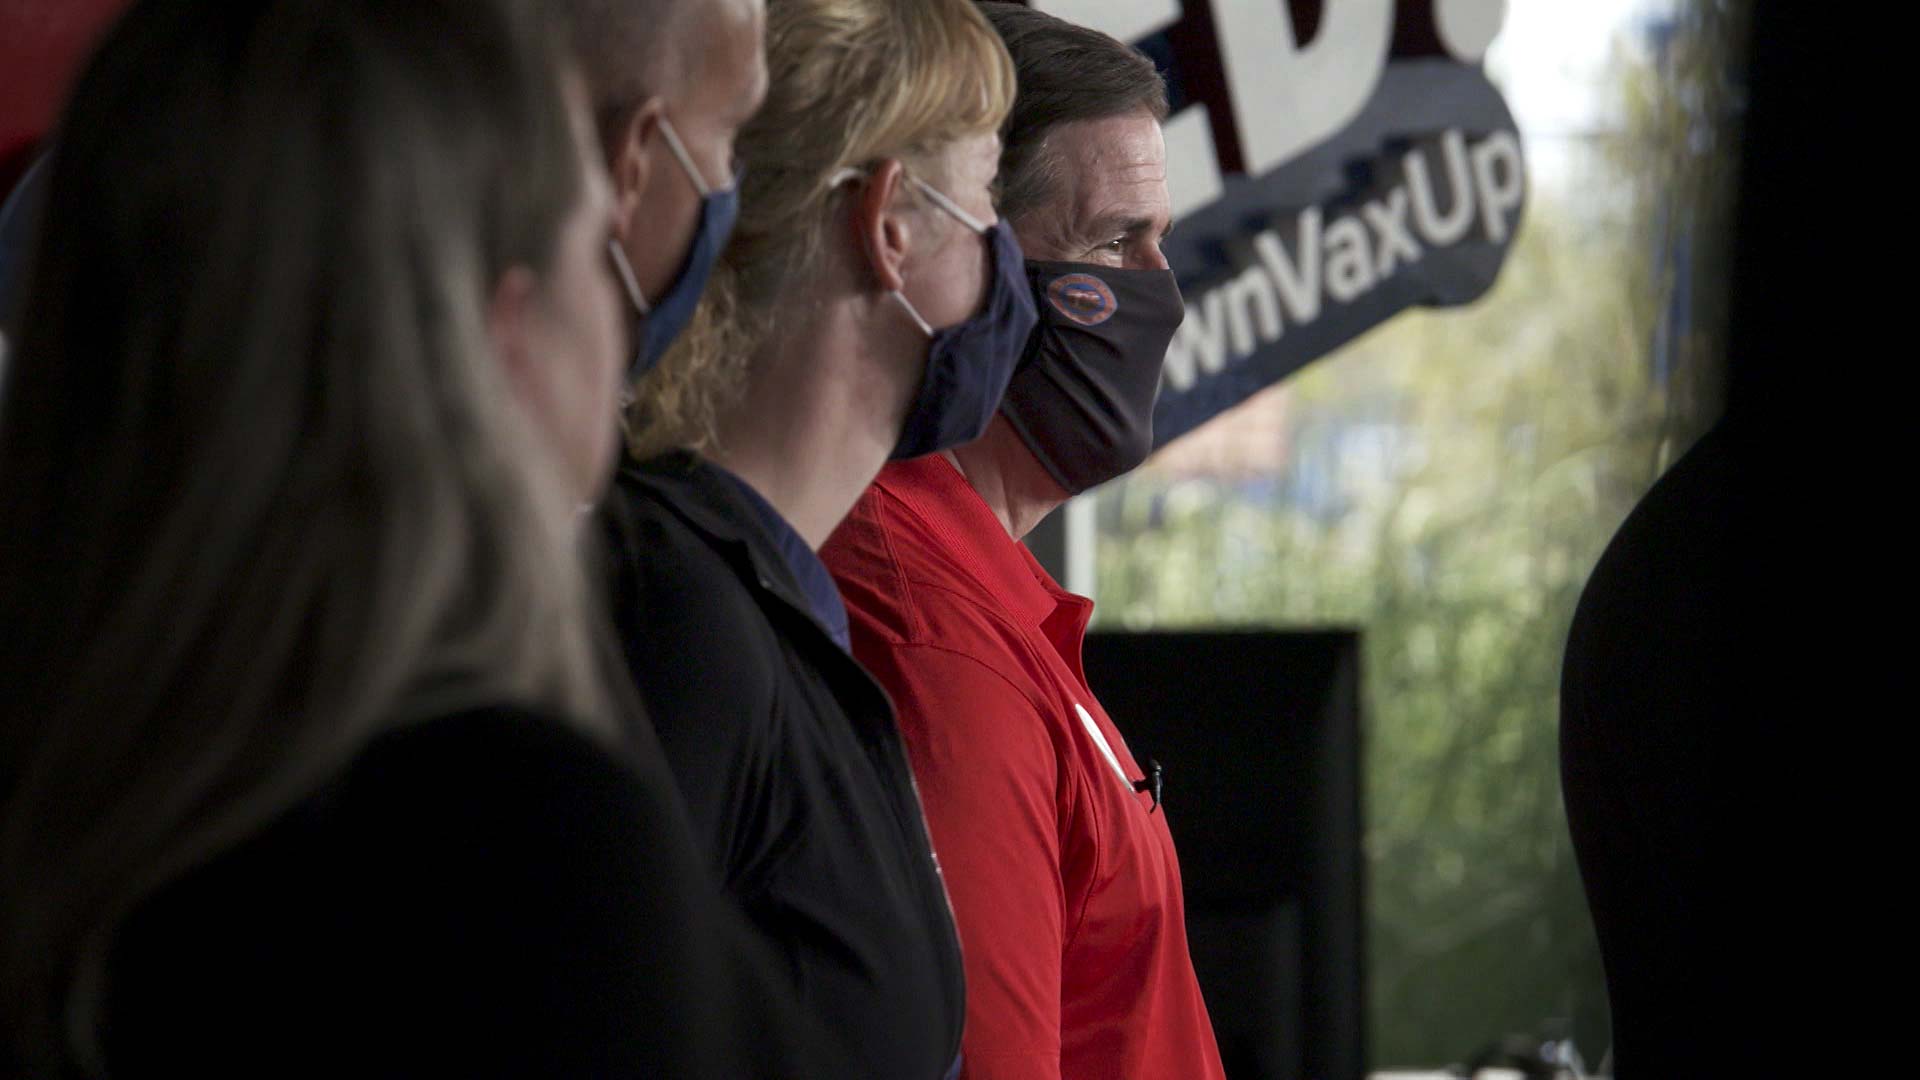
(679, 150)
(943, 202)
(842, 176)
(624, 271)
(911, 313)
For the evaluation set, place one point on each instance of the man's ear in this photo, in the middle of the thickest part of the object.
(510, 313)
(880, 226)
(627, 162)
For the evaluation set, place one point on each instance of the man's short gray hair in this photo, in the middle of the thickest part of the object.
(628, 51)
(1067, 73)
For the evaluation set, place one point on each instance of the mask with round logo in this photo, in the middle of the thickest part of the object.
(1082, 398)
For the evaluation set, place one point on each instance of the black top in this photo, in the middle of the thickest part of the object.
(790, 762)
(486, 894)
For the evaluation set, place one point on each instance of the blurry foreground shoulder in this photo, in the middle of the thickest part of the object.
(485, 893)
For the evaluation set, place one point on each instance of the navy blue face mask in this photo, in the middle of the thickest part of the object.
(969, 363)
(663, 320)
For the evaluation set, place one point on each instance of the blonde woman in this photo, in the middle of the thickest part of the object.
(306, 766)
(870, 305)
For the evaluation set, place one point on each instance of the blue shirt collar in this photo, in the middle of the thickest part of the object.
(815, 582)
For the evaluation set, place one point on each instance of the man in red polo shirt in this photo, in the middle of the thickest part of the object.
(1056, 853)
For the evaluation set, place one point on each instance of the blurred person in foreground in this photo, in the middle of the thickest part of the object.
(867, 306)
(308, 763)
(1063, 874)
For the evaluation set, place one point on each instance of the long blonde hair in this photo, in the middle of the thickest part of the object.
(265, 494)
(851, 82)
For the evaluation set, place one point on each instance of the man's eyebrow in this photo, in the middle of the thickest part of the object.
(1106, 228)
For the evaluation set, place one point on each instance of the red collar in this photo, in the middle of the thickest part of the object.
(936, 493)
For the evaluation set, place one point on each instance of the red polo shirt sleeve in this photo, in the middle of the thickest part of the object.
(993, 788)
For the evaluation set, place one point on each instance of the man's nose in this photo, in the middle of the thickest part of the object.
(1150, 259)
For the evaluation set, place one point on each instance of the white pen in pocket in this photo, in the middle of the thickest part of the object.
(1100, 740)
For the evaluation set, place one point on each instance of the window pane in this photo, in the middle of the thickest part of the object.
(1446, 483)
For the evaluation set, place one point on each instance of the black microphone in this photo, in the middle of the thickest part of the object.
(1151, 782)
